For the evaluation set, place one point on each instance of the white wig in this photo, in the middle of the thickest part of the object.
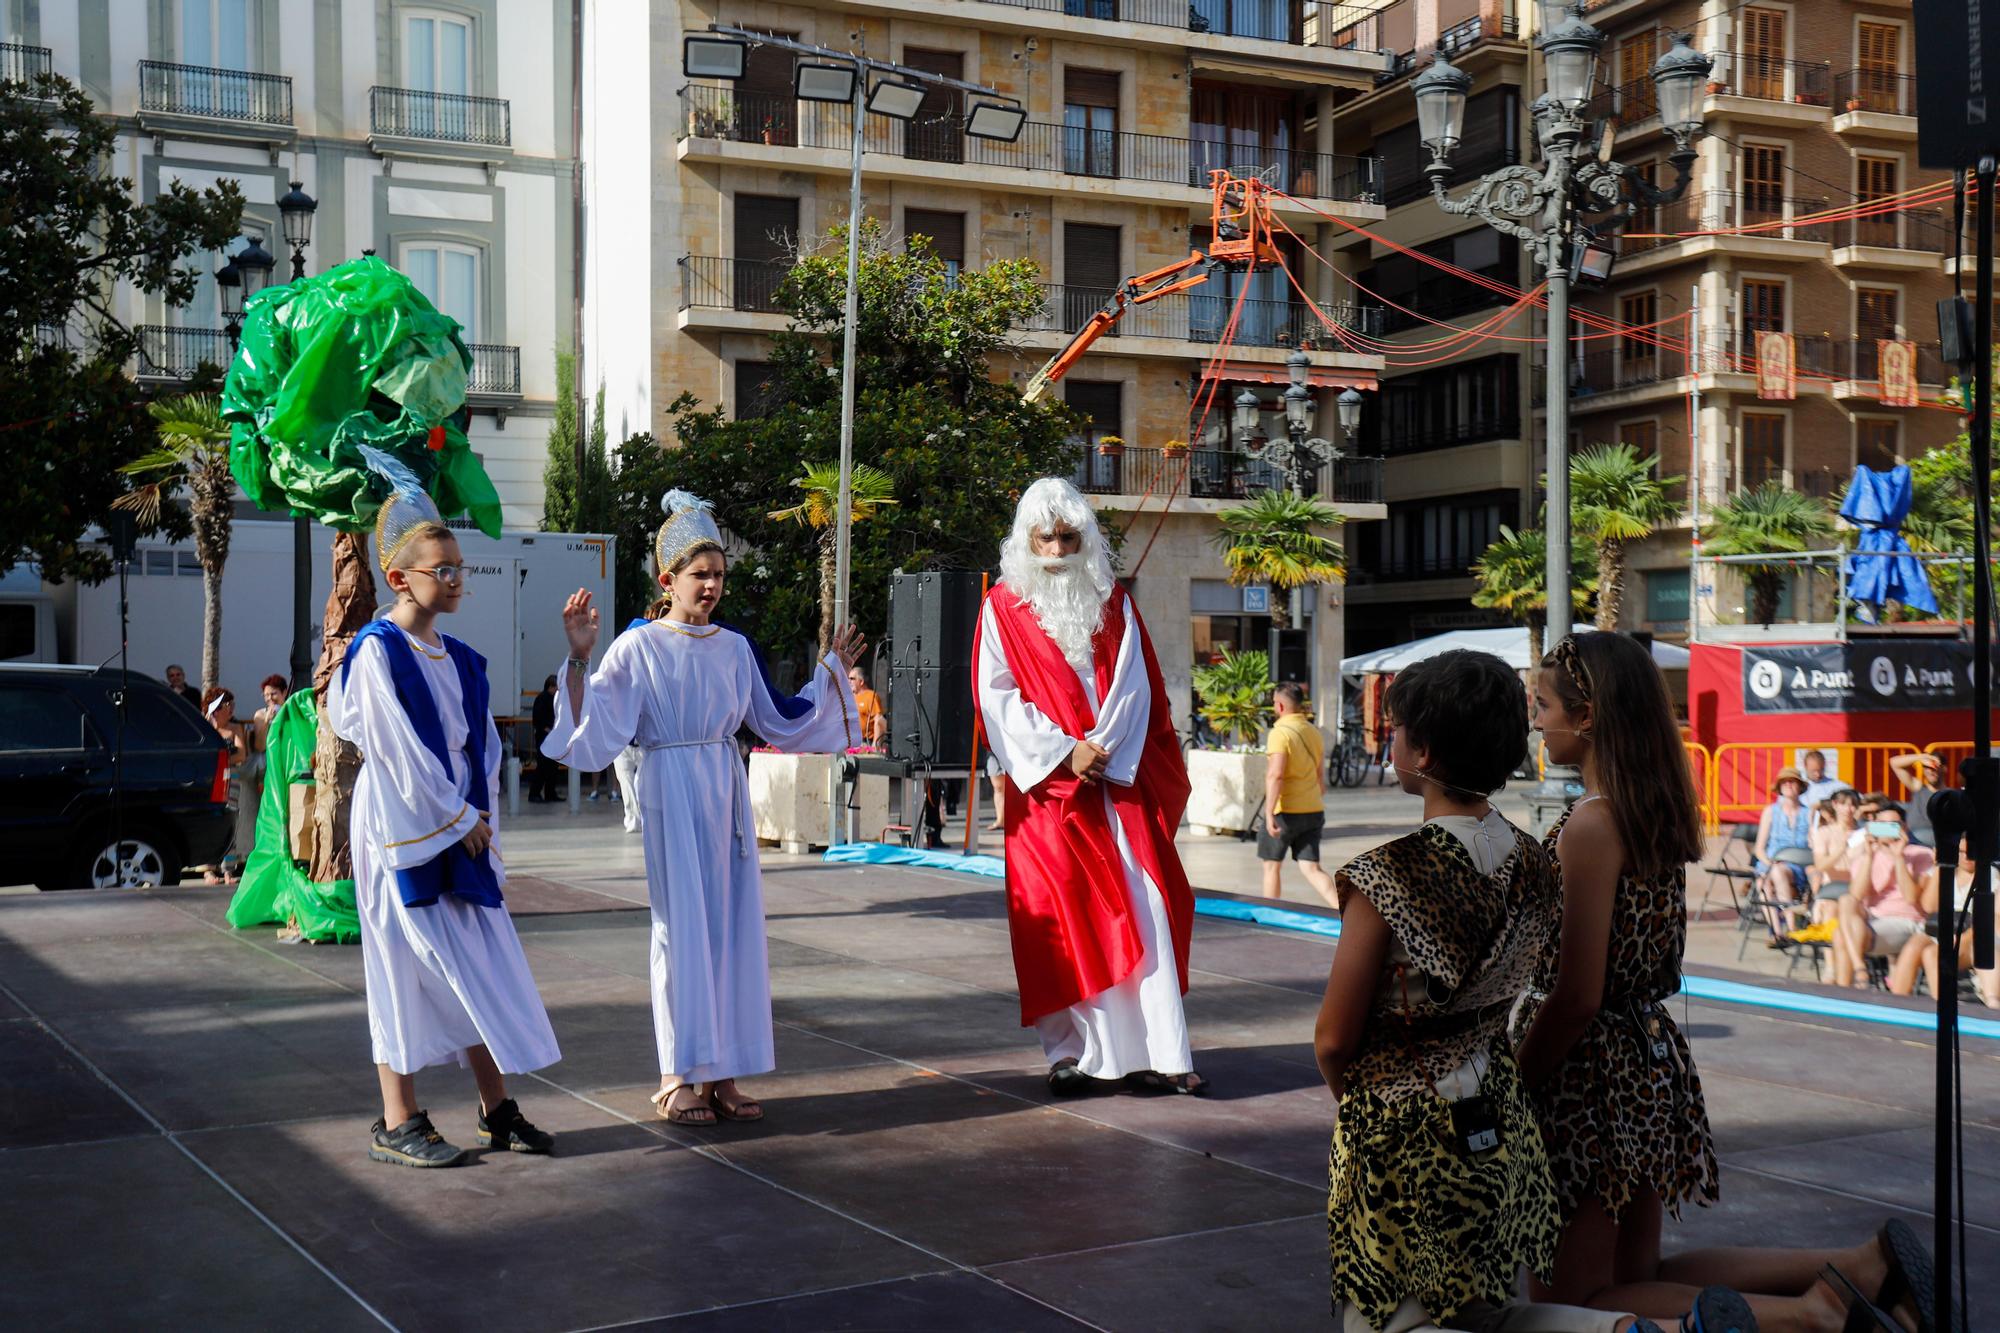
(1046, 503)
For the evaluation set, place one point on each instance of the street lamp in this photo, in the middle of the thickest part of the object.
(1540, 206)
(296, 210)
(1349, 406)
(229, 294)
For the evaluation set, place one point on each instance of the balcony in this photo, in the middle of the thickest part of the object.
(1098, 162)
(1223, 474)
(1346, 36)
(169, 355)
(1445, 300)
(409, 122)
(1875, 104)
(200, 101)
(1858, 364)
(1749, 223)
(1770, 91)
(1630, 107)
(494, 382)
(1454, 41)
(24, 64)
(1914, 241)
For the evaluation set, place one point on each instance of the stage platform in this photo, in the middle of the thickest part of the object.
(184, 1115)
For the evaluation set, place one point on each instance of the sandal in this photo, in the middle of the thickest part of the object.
(745, 1110)
(694, 1111)
(1719, 1310)
(1066, 1080)
(1147, 1080)
(1912, 1275)
(1862, 1317)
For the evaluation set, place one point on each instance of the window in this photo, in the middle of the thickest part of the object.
(1090, 122)
(1762, 311)
(448, 276)
(1411, 283)
(1877, 443)
(1875, 312)
(1666, 597)
(1462, 403)
(215, 33)
(32, 719)
(437, 53)
(1239, 127)
(935, 135)
(18, 631)
(1091, 270)
(1639, 356)
(1491, 139)
(766, 229)
(945, 230)
(754, 380)
(1440, 538)
(766, 109)
(1101, 404)
(1875, 178)
(1878, 52)
(1763, 183)
(1763, 448)
(1644, 436)
(1636, 100)
(1763, 55)
(205, 310)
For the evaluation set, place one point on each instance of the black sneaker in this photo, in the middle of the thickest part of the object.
(412, 1143)
(505, 1127)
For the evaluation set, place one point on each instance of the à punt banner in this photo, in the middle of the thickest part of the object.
(1857, 677)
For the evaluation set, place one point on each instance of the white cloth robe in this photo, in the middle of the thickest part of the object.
(451, 975)
(680, 692)
(1139, 1023)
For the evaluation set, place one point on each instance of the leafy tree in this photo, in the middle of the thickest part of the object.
(869, 489)
(70, 232)
(572, 503)
(1275, 539)
(957, 446)
(1616, 498)
(1513, 576)
(193, 455)
(1770, 520)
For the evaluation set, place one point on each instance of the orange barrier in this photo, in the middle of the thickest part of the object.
(1950, 754)
(1701, 765)
(1740, 775)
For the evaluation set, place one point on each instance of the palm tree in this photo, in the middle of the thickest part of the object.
(872, 488)
(1274, 540)
(1616, 498)
(1513, 576)
(193, 453)
(1770, 520)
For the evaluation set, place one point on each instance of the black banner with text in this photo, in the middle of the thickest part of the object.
(1862, 677)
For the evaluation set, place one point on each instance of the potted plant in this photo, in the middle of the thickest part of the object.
(1227, 781)
(770, 130)
(1110, 447)
(1174, 449)
(1856, 104)
(709, 120)
(1716, 87)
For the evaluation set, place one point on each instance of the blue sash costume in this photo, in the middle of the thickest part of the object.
(454, 870)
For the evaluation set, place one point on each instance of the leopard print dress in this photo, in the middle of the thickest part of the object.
(1407, 1214)
(1618, 1120)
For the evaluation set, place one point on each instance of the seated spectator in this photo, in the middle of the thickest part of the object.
(1885, 908)
(1785, 826)
(1919, 774)
(1920, 955)
(1819, 787)
(1839, 822)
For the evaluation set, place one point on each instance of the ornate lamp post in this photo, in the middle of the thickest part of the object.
(297, 209)
(1301, 452)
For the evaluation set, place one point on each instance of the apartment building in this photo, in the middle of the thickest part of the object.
(701, 199)
(1809, 108)
(437, 135)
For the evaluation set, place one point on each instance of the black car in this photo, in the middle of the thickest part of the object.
(92, 800)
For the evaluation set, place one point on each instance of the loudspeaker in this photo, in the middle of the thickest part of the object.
(933, 619)
(1958, 114)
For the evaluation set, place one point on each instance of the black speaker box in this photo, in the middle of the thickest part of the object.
(933, 620)
(1958, 110)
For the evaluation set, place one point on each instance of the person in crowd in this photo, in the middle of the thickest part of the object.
(273, 688)
(1885, 909)
(1920, 955)
(542, 717)
(1614, 1081)
(1098, 904)
(1785, 826)
(177, 681)
(1819, 787)
(1294, 795)
(1920, 775)
(1839, 819)
(446, 978)
(218, 705)
(681, 686)
(868, 706)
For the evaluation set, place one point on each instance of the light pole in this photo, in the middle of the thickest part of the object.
(296, 209)
(898, 93)
(1567, 212)
(241, 277)
(1301, 452)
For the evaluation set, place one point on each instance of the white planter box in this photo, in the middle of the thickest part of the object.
(1226, 787)
(788, 800)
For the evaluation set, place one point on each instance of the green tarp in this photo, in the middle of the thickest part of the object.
(274, 889)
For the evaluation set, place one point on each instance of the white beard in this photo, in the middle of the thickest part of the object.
(1065, 602)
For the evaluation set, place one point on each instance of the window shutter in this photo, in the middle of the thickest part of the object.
(765, 226)
(764, 98)
(1090, 256)
(1099, 402)
(1763, 181)
(1764, 54)
(1090, 87)
(1875, 314)
(1635, 76)
(946, 230)
(1875, 444)
(1763, 447)
(1763, 307)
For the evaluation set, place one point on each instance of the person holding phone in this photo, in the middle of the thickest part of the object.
(1885, 908)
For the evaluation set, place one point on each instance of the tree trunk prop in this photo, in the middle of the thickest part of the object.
(349, 608)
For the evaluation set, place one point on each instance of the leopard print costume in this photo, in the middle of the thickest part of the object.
(1407, 1215)
(1618, 1120)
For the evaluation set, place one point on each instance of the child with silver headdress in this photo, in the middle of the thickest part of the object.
(681, 685)
(446, 977)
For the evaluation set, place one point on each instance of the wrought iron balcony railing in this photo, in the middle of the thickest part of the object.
(1751, 213)
(1770, 79)
(1311, 24)
(411, 113)
(169, 353)
(1918, 229)
(1883, 91)
(496, 371)
(1861, 359)
(783, 121)
(1222, 474)
(24, 64)
(223, 94)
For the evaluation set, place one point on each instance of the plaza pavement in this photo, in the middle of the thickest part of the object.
(183, 1111)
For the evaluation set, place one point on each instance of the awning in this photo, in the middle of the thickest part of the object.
(1359, 75)
(1320, 377)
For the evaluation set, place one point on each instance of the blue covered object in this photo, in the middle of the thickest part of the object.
(1882, 569)
(883, 854)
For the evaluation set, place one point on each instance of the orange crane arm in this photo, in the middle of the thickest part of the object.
(1133, 291)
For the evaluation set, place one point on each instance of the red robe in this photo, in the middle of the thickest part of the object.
(1069, 909)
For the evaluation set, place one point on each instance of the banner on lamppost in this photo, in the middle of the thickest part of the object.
(1777, 371)
(1897, 358)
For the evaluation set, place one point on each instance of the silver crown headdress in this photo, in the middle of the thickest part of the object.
(689, 524)
(407, 509)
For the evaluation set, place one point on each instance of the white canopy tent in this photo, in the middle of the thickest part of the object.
(1510, 645)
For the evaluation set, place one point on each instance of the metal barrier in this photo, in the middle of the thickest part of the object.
(1701, 768)
(1744, 772)
(1950, 754)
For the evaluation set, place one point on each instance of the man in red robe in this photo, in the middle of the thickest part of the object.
(1076, 712)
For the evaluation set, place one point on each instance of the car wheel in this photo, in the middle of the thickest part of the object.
(141, 859)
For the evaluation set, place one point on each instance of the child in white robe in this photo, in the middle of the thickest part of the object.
(679, 687)
(446, 976)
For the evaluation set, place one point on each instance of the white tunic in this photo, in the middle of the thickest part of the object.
(680, 692)
(451, 975)
(1139, 1023)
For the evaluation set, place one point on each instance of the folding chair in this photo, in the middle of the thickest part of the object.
(1756, 902)
(1726, 872)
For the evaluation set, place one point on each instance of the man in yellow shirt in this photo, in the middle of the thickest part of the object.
(1294, 795)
